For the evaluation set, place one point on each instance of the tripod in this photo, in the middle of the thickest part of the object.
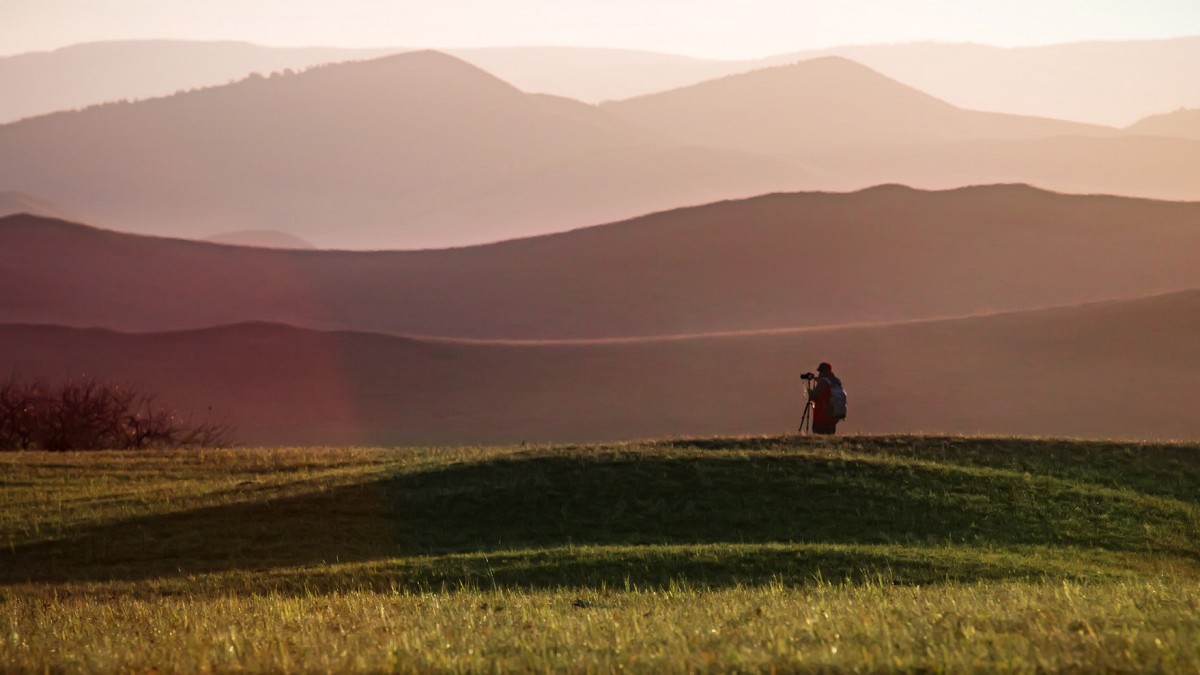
(806, 418)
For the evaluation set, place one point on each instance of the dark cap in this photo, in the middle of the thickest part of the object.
(824, 368)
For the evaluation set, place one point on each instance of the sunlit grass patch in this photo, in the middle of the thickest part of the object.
(756, 553)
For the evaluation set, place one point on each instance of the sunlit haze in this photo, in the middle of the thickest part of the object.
(706, 28)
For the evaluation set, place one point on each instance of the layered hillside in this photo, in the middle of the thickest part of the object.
(780, 261)
(1113, 370)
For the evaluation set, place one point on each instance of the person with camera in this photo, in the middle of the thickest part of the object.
(828, 400)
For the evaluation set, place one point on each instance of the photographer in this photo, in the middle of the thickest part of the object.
(828, 400)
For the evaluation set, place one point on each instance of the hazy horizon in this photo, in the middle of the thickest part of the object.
(714, 29)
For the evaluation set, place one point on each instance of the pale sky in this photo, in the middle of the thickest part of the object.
(706, 28)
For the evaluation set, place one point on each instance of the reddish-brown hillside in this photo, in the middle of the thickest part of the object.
(407, 151)
(789, 260)
(1113, 370)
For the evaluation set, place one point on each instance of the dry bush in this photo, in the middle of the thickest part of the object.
(89, 414)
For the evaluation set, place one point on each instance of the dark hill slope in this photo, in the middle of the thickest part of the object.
(778, 261)
(1119, 369)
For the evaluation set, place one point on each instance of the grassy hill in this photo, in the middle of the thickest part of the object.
(502, 554)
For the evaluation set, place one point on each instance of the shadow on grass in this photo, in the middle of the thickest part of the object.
(701, 508)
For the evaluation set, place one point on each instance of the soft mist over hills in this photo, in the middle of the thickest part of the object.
(1061, 372)
(422, 150)
(413, 150)
(779, 261)
(664, 263)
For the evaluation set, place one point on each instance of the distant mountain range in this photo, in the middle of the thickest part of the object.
(827, 102)
(422, 150)
(1111, 370)
(1145, 166)
(83, 75)
(995, 308)
(1113, 83)
(773, 262)
(1099, 82)
(414, 150)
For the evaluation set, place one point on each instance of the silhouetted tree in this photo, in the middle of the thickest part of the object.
(89, 414)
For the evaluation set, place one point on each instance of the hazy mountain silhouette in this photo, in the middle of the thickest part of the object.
(419, 149)
(864, 129)
(1112, 83)
(1106, 82)
(1182, 123)
(825, 102)
(13, 203)
(1113, 370)
(87, 74)
(93, 73)
(260, 239)
(1141, 166)
(595, 75)
(885, 254)
(1098, 82)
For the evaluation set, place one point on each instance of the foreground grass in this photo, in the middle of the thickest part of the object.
(846, 554)
(1012, 626)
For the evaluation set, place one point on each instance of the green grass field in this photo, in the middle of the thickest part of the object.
(849, 554)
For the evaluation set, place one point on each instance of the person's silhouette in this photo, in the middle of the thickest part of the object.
(827, 409)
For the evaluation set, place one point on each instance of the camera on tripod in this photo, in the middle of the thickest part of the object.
(808, 376)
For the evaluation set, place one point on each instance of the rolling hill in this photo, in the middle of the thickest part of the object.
(824, 102)
(1183, 123)
(1113, 83)
(1114, 370)
(779, 261)
(414, 150)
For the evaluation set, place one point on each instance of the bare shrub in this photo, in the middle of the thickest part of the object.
(89, 414)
